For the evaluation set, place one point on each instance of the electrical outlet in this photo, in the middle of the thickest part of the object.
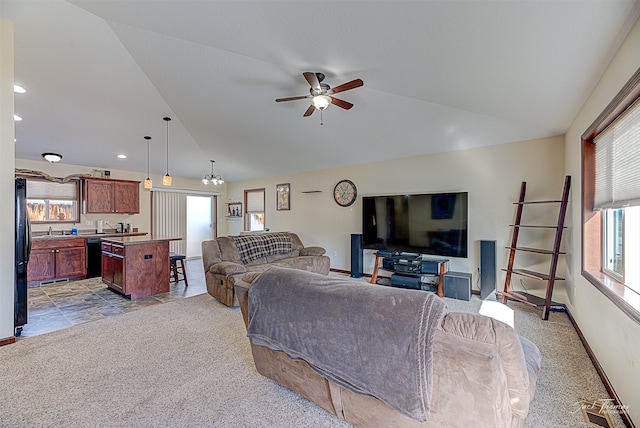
(335, 254)
(89, 223)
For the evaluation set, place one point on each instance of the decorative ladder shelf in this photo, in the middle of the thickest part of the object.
(546, 304)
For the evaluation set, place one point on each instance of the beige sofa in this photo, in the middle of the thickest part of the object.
(480, 372)
(228, 257)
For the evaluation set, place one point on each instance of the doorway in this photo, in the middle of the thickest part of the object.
(201, 225)
(185, 214)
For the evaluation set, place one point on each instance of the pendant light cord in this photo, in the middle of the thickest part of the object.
(167, 119)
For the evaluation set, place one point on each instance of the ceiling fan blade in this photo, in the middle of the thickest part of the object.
(341, 103)
(309, 111)
(313, 80)
(346, 86)
(279, 100)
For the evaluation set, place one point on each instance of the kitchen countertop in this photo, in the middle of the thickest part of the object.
(86, 235)
(132, 240)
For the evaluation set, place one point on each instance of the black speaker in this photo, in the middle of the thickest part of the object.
(487, 268)
(356, 255)
(457, 285)
(405, 281)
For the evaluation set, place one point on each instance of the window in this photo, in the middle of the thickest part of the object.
(53, 202)
(613, 251)
(255, 218)
(611, 200)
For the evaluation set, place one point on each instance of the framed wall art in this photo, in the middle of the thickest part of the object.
(283, 197)
(234, 209)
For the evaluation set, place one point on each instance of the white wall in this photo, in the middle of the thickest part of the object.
(614, 337)
(141, 221)
(491, 175)
(7, 183)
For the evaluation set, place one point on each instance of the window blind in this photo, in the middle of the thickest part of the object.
(255, 201)
(39, 189)
(617, 181)
(169, 217)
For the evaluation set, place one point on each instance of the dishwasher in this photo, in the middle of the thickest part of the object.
(94, 258)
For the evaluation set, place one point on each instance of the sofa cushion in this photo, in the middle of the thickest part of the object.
(275, 257)
(254, 247)
(228, 249)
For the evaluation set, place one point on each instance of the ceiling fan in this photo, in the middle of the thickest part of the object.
(321, 93)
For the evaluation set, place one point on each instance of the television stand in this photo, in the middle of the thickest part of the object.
(411, 265)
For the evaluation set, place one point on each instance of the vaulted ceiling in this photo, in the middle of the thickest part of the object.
(438, 76)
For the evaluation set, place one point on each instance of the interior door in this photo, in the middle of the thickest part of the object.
(200, 223)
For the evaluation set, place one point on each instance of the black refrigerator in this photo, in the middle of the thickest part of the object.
(22, 252)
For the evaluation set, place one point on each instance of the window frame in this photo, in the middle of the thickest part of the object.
(592, 221)
(76, 181)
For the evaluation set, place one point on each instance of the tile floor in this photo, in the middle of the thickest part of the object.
(54, 307)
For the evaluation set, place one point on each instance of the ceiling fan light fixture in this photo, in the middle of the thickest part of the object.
(52, 157)
(321, 102)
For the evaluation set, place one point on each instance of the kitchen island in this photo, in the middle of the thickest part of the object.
(136, 266)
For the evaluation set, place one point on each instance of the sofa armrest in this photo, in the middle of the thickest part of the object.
(312, 251)
(210, 253)
(227, 268)
(506, 340)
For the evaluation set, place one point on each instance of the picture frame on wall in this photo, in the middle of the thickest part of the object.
(234, 209)
(283, 197)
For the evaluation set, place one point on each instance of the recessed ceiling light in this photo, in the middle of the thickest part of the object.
(19, 89)
(52, 157)
(17, 118)
(122, 156)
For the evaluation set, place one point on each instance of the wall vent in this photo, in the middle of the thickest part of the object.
(593, 413)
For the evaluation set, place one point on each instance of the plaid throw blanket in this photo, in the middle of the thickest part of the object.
(253, 247)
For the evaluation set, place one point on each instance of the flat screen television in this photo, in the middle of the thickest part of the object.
(433, 223)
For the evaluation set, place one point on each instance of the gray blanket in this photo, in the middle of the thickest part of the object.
(371, 339)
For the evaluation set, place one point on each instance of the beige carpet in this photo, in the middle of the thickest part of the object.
(188, 363)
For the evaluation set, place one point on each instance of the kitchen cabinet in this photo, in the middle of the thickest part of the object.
(54, 260)
(105, 195)
(136, 266)
(113, 266)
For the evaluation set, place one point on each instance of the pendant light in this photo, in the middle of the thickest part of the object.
(166, 180)
(147, 182)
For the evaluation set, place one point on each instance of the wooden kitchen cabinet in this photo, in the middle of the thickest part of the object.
(113, 266)
(104, 195)
(136, 266)
(54, 260)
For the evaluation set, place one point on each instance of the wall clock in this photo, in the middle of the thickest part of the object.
(345, 193)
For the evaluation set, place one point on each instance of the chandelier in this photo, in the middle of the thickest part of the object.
(212, 178)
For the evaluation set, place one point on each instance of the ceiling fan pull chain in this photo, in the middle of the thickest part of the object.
(321, 118)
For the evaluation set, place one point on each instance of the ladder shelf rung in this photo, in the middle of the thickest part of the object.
(537, 202)
(534, 250)
(532, 274)
(532, 300)
(536, 225)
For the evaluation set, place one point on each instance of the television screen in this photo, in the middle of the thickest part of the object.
(426, 224)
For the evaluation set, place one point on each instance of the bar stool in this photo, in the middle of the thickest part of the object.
(175, 270)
